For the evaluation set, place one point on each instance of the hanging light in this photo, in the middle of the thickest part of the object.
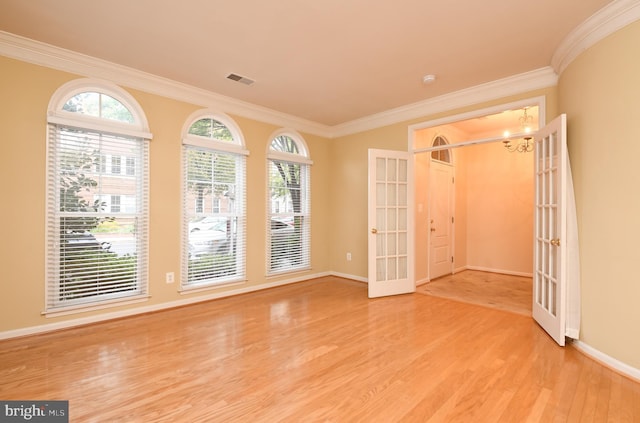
(526, 145)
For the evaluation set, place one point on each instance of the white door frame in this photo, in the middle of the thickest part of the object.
(539, 102)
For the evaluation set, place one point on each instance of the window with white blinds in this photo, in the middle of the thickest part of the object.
(214, 240)
(289, 205)
(96, 217)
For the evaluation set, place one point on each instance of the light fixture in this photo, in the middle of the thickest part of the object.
(526, 145)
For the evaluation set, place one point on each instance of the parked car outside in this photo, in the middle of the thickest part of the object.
(208, 235)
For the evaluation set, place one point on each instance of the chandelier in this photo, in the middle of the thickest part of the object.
(526, 144)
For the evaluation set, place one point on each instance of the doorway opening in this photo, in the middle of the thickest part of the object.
(492, 197)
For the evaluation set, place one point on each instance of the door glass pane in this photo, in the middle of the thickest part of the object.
(402, 219)
(381, 220)
(402, 195)
(552, 297)
(402, 243)
(539, 185)
(391, 244)
(553, 197)
(391, 220)
(381, 169)
(392, 269)
(544, 259)
(539, 262)
(380, 242)
(381, 197)
(402, 267)
(391, 170)
(391, 194)
(381, 269)
(402, 171)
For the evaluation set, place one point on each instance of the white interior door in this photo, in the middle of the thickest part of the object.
(391, 223)
(440, 219)
(550, 229)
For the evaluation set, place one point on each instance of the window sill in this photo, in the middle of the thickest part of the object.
(83, 308)
(201, 288)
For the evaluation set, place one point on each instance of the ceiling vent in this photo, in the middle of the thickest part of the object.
(241, 79)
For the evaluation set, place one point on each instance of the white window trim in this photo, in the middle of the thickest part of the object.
(236, 147)
(301, 158)
(139, 129)
(77, 86)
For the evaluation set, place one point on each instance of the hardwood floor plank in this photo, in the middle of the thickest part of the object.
(318, 350)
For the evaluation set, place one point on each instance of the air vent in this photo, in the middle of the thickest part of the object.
(241, 79)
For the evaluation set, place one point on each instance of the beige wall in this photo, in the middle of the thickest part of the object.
(499, 214)
(26, 90)
(599, 92)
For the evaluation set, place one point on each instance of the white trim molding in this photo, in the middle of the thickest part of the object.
(613, 17)
(607, 360)
(517, 84)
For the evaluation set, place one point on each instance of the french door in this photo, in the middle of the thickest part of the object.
(391, 223)
(550, 229)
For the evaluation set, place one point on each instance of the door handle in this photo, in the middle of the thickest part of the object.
(555, 242)
(374, 231)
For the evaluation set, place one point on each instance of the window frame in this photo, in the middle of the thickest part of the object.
(442, 155)
(302, 159)
(234, 148)
(137, 132)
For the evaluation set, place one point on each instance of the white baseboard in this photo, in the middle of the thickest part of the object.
(502, 271)
(348, 276)
(607, 360)
(422, 281)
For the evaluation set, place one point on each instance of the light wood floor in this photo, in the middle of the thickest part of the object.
(495, 290)
(316, 351)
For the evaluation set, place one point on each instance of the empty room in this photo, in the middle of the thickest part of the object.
(220, 212)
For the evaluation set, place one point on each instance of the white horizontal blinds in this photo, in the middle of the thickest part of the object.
(97, 216)
(214, 210)
(289, 224)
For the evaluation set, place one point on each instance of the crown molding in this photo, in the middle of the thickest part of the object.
(524, 82)
(611, 18)
(43, 54)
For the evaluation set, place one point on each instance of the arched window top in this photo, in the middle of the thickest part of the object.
(287, 144)
(440, 155)
(210, 129)
(99, 105)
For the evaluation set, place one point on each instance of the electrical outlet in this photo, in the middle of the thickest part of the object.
(348, 256)
(169, 277)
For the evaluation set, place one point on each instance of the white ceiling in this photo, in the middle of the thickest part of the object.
(327, 61)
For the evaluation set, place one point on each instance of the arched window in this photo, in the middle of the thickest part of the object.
(214, 240)
(97, 202)
(440, 155)
(289, 204)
